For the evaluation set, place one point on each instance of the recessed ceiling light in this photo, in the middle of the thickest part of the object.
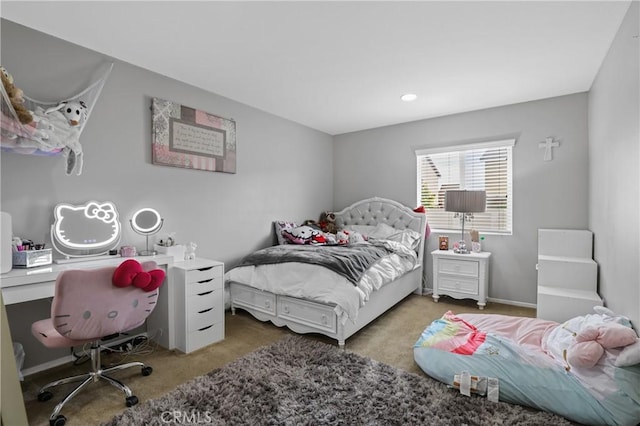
(409, 97)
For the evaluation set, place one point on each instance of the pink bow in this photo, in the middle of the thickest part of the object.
(130, 272)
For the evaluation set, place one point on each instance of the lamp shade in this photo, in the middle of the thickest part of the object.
(465, 201)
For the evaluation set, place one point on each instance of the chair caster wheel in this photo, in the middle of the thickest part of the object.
(60, 420)
(44, 396)
(132, 400)
(146, 371)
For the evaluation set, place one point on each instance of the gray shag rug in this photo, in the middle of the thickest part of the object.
(299, 381)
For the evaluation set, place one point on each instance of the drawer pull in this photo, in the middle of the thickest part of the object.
(205, 281)
(204, 328)
(205, 310)
(205, 269)
(285, 309)
(205, 293)
(324, 319)
(267, 304)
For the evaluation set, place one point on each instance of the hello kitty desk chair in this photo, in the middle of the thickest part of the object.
(91, 304)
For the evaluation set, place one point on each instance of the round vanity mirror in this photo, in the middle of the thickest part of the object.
(146, 221)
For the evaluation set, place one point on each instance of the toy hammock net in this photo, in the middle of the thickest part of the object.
(55, 128)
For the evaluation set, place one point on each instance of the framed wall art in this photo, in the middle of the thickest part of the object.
(193, 139)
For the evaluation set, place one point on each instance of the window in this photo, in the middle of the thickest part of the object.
(483, 166)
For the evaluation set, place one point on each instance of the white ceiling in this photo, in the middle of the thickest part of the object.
(340, 66)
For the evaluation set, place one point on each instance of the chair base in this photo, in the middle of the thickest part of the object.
(96, 374)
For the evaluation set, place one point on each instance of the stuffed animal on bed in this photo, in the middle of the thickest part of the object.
(304, 235)
(327, 222)
(16, 97)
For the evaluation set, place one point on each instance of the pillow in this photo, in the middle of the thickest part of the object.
(407, 237)
(362, 229)
(280, 226)
(629, 356)
(304, 235)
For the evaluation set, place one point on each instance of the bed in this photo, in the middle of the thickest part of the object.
(309, 298)
(586, 369)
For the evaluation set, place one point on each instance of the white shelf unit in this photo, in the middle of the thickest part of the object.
(567, 274)
(199, 306)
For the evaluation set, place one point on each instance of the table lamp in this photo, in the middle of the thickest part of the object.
(464, 204)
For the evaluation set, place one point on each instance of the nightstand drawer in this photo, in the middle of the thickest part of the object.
(203, 274)
(458, 267)
(458, 284)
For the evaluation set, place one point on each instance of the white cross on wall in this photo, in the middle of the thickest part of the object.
(547, 145)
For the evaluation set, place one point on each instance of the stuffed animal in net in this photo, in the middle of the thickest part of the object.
(16, 97)
(327, 222)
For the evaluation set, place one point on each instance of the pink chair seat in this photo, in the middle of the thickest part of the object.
(46, 333)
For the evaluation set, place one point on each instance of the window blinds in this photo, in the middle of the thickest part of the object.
(485, 166)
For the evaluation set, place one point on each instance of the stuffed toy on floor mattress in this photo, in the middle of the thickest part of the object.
(587, 369)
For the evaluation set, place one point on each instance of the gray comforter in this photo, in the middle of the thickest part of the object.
(349, 261)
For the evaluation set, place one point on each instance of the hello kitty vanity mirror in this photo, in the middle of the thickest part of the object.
(89, 229)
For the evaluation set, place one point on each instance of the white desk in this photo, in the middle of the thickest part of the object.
(23, 285)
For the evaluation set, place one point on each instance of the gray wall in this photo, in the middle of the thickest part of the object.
(284, 170)
(614, 181)
(545, 194)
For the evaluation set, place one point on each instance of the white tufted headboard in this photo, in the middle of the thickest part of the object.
(373, 211)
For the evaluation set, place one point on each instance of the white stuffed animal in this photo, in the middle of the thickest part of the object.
(68, 118)
(74, 111)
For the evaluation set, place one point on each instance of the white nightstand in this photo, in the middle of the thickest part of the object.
(199, 308)
(463, 276)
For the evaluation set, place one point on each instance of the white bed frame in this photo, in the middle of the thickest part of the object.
(305, 316)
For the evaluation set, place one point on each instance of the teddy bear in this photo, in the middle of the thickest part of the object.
(16, 96)
(327, 222)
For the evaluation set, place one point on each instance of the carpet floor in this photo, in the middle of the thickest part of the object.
(299, 381)
(389, 339)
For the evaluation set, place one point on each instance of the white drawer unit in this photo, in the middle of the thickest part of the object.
(199, 310)
(462, 276)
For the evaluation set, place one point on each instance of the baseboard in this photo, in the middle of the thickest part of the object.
(70, 358)
(46, 365)
(512, 302)
(427, 291)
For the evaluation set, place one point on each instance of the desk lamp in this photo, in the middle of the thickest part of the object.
(464, 204)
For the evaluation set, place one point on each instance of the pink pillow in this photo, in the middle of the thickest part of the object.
(304, 235)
